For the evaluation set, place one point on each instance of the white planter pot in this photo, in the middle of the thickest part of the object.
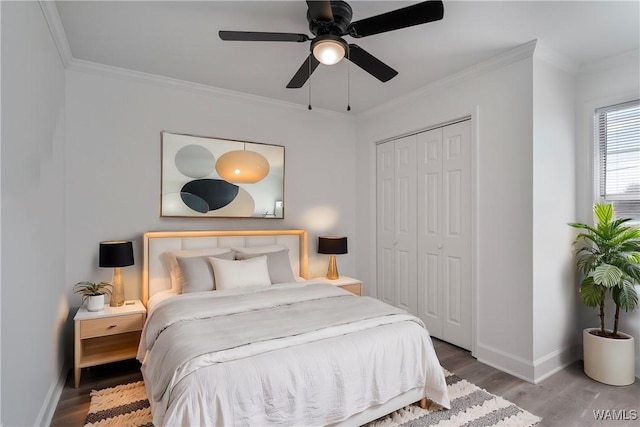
(95, 303)
(609, 361)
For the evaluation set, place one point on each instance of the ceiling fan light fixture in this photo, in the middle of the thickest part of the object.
(329, 52)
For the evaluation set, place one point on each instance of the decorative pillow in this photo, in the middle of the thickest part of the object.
(169, 260)
(240, 274)
(278, 263)
(197, 272)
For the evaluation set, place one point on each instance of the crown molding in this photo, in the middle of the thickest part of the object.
(545, 53)
(506, 58)
(52, 17)
(198, 88)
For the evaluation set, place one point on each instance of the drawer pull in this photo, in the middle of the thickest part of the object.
(112, 326)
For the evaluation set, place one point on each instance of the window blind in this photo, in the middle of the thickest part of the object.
(617, 137)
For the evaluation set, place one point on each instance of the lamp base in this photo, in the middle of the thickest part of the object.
(117, 289)
(332, 273)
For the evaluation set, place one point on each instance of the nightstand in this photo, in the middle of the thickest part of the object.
(107, 336)
(347, 283)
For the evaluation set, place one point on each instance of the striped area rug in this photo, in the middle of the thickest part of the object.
(121, 406)
(127, 406)
(471, 406)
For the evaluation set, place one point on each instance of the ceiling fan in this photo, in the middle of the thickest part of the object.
(329, 21)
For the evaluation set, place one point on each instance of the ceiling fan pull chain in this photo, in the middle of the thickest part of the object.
(348, 80)
(309, 62)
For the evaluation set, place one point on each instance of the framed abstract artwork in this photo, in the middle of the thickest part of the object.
(205, 177)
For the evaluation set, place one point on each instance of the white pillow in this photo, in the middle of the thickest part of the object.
(240, 274)
(279, 265)
(170, 262)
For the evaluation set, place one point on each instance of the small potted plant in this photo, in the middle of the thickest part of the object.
(93, 294)
(608, 256)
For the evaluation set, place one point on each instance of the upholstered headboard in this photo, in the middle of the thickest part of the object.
(155, 277)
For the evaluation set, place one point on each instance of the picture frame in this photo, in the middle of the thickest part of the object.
(208, 177)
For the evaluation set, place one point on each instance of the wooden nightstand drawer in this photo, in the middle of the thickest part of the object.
(354, 289)
(111, 325)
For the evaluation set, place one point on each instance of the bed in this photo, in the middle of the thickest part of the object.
(268, 346)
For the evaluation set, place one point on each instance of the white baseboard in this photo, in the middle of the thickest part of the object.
(506, 362)
(530, 371)
(51, 401)
(553, 362)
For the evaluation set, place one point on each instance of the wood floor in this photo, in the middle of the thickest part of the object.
(565, 399)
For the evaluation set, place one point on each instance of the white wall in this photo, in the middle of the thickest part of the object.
(0, 232)
(500, 102)
(605, 83)
(34, 303)
(113, 164)
(555, 304)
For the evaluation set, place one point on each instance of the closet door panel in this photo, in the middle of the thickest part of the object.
(429, 179)
(404, 273)
(453, 290)
(386, 276)
(429, 271)
(405, 218)
(385, 227)
(456, 236)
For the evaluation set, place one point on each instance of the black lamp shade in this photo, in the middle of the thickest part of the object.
(332, 245)
(116, 253)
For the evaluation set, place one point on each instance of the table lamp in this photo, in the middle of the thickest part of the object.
(116, 254)
(333, 246)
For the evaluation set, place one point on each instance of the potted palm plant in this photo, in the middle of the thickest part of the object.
(93, 294)
(608, 256)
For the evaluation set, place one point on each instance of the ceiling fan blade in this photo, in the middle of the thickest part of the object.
(416, 14)
(303, 73)
(320, 10)
(253, 36)
(370, 63)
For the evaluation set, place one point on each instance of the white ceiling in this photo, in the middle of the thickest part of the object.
(179, 39)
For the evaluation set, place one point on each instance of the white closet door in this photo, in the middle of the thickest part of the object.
(405, 242)
(396, 223)
(456, 233)
(385, 188)
(429, 155)
(444, 232)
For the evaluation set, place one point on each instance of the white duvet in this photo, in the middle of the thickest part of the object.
(297, 354)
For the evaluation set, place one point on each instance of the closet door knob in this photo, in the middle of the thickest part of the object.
(440, 246)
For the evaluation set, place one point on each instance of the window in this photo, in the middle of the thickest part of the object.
(617, 139)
